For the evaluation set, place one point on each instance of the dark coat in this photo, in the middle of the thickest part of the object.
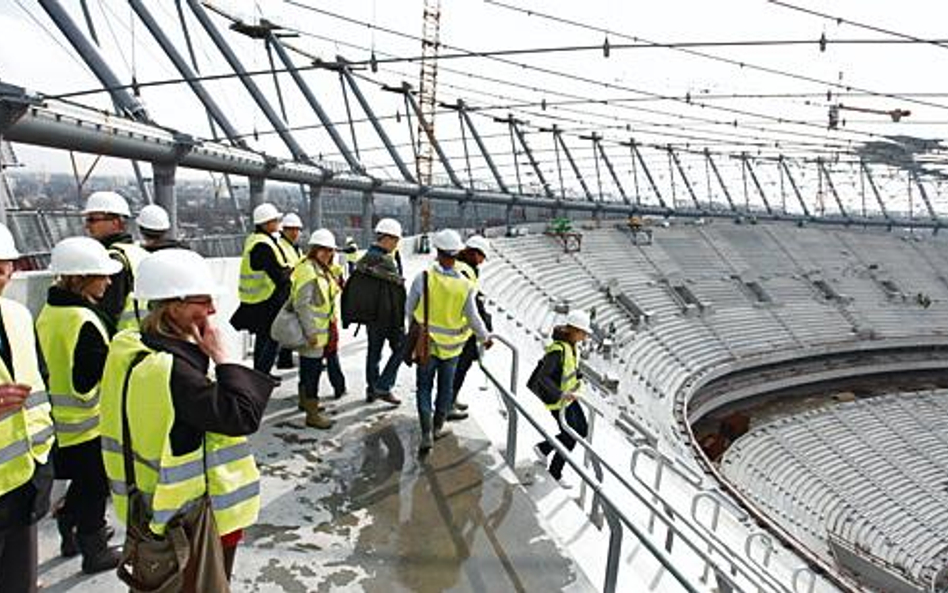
(258, 317)
(545, 380)
(375, 292)
(113, 301)
(233, 405)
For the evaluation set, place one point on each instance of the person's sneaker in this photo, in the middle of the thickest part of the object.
(541, 458)
(456, 414)
(340, 394)
(388, 397)
(370, 396)
(277, 378)
(563, 483)
(460, 405)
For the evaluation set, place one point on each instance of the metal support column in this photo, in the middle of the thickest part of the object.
(514, 126)
(829, 183)
(760, 190)
(717, 175)
(376, 124)
(462, 109)
(317, 108)
(597, 141)
(278, 125)
(165, 195)
(684, 178)
(425, 125)
(258, 192)
(316, 207)
(875, 190)
(793, 184)
(913, 174)
(558, 138)
(368, 211)
(648, 173)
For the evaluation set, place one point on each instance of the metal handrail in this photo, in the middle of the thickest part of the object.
(614, 516)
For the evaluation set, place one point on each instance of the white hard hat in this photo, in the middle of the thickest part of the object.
(579, 320)
(479, 243)
(108, 202)
(389, 226)
(153, 218)
(8, 249)
(292, 221)
(447, 240)
(265, 213)
(174, 274)
(322, 238)
(82, 256)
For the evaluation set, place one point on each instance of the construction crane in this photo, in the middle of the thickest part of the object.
(895, 114)
(427, 89)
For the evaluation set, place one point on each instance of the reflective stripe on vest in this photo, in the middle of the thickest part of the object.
(170, 483)
(131, 255)
(307, 271)
(255, 286)
(447, 323)
(26, 435)
(76, 415)
(569, 380)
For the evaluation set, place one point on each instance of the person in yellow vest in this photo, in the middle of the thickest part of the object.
(26, 436)
(452, 317)
(106, 213)
(315, 295)
(74, 335)
(264, 285)
(290, 228)
(188, 432)
(557, 382)
(154, 226)
(352, 254)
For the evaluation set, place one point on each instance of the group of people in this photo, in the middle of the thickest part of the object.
(109, 387)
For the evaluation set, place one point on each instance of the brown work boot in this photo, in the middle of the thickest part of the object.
(97, 555)
(314, 416)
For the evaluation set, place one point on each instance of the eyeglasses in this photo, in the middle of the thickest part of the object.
(95, 219)
(205, 301)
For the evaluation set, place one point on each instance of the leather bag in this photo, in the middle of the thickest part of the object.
(418, 342)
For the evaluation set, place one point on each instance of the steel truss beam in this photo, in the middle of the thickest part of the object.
(753, 174)
(462, 109)
(428, 128)
(597, 143)
(793, 184)
(921, 190)
(829, 182)
(717, 175)
(681, 171)
(514, 125)
(637, 155)
(56, 124)
(875, 190)
(558, 138)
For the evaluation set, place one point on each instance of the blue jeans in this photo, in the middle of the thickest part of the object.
(374, 383)
(576, 419)
(312, 368)
(424, 382)
(265, 351)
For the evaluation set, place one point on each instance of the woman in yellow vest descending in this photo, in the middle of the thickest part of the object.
(314, 296)
(26, 436)
(557, 382)
(75, 334)
(187, 432)
(451, 317)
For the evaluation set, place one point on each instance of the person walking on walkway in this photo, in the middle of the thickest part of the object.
(375, 297)
(557, 382)
(74, 334)
(106, 213)
(264, 285)
(290, 228)
(26, 436)
(179, 420)
(468, 264)
(314, 296)
(442, 300)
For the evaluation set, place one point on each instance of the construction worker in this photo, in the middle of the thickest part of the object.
(179, 420)
(353, 254)
(558, 384)
(442, 299)
(375, 297)
(154, 225)
(468, 264)
(106, 213)
(290, 228)
(26, 436)
(264, 285)
(314, 294)
(74, 334)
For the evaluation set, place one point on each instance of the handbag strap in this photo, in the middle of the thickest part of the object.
(126, 432)
(425, 283)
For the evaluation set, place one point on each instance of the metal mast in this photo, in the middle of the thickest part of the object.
(427, 89)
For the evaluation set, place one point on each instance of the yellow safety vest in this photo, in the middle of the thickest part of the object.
(354, 256)
(26, 435)
(569, 380)
(307, 271)
(291, 253)
(224, 467)
(447, 324)
(131, 254)
(75, 414)
(255, 286)
(467, 271)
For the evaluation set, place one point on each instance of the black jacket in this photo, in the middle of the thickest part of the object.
(113, 301)
(233, 405)
(375, 293)
(258, 317)
(545, 380)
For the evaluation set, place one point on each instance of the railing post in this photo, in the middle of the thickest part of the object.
(615, 549)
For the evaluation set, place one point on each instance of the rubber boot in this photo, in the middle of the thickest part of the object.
(440, 430)
(426, 439)
(314, 417)
(68, 547)
(97, 556)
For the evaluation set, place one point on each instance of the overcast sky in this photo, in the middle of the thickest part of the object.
(33, 54)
